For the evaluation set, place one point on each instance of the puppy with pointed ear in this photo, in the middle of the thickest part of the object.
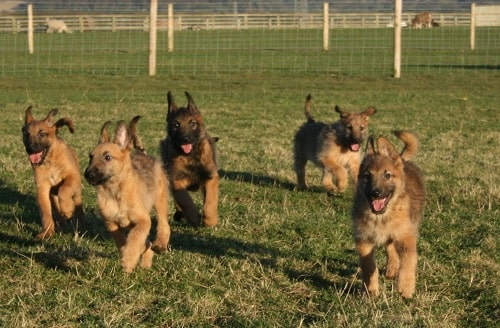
(56, 170)
(334, 147)
(387, 211)
(189, 157)
(128, 186)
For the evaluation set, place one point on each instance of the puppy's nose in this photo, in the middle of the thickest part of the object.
(376, 193)
(88, 174)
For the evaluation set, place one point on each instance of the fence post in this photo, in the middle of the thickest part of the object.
(30, 29)
(398, 8)
(473, 26)
(326, 28)
(153, 11)
(170, 27)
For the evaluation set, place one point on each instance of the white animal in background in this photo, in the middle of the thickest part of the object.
(57, 25)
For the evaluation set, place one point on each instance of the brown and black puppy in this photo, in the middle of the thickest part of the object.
(129, 184)
(189, 156)
(56, 170)
(387, 211)
(333, 147)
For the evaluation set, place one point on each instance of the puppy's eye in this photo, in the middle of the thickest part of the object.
(42, 134)
(387, 175)
(193, 124)
(107, 157)
(361, 128)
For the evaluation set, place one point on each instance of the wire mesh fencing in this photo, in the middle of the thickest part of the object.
(101, 37)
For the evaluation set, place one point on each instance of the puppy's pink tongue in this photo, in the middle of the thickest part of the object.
(36, 158)
(355, 147)
(378, 204)
(187, 148)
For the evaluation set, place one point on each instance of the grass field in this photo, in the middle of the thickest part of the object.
(279, 257)
(352, 52)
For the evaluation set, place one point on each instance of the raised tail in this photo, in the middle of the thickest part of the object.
(411, 144)
(135, 137)
(307, 108)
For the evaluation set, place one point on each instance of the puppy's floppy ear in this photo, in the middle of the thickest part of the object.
(386, 148)
(369, 111)
(66, 121)
(104, 133)
(122, 136)
(50, 117)
(28, 116)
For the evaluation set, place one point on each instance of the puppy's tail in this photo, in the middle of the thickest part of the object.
(307, 109)
(135, 137)
(411, 144)
(65, 121)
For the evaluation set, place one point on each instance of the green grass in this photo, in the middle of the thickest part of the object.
(352, 52)
(279, 257)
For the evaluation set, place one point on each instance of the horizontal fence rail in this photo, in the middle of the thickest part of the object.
(140, 22)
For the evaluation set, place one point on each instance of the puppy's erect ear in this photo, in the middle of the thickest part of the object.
(50, 117)
(341, 112)
(28, 117)
(172, 107)
(191, 105)
(386, 148)
(122, 136)
(370, 146)
(104, 133)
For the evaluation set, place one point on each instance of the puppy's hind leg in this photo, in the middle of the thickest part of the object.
(300, 170)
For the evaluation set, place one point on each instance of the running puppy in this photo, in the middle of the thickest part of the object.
(333, 147)
(387, 211)
(56, 170)
(189, 156)
(129, 183)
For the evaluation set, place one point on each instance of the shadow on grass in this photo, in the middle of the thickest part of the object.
(264, 180)
(213, 246)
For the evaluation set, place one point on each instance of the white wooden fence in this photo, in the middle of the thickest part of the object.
(482, 16)
(121, 22)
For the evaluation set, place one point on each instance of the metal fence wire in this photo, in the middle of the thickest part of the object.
(287, 36)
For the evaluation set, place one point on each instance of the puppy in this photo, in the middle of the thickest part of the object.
(387, 211)
(333, 147)
(56, 170)
(189, 157)
(129, 183)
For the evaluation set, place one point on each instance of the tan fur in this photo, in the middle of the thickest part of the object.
(422, 20)
(387, 211)
(56, 170)
(57, 25)
(129, 184)
(189, 156)
(333, 147)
